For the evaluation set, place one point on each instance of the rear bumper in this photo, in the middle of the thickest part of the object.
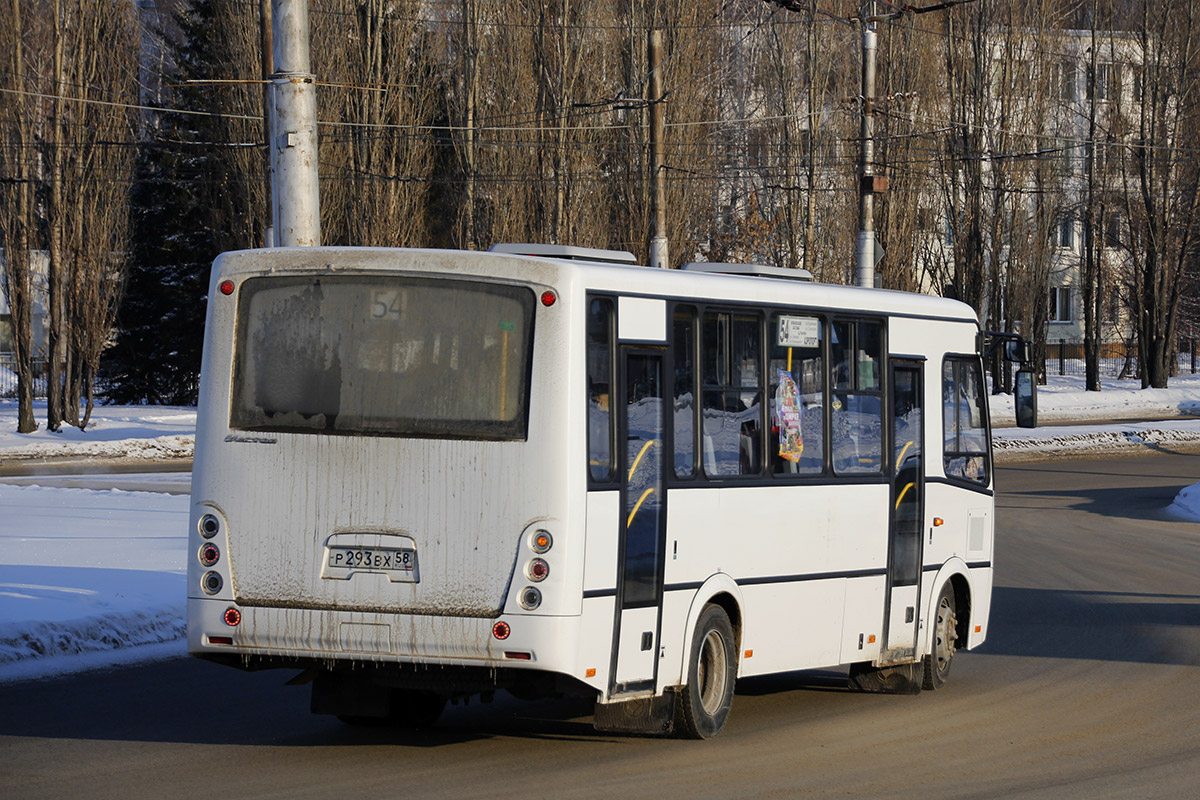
(542, 643)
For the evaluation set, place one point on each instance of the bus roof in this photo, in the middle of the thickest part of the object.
(624, 279)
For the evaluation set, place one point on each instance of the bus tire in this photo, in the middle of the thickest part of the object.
(945, 641)
(703, 703)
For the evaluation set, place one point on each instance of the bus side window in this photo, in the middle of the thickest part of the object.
(732, 409)
(599, 377)
(963, 422)
(857, 402)
(797, 396)
(683, 354)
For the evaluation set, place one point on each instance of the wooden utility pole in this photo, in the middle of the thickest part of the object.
(658, 170)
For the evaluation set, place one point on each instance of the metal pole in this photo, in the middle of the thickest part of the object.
(865, 250)
(658, 240)
(297, 205)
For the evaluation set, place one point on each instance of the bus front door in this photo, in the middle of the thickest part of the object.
(907, 506)
(643, 520)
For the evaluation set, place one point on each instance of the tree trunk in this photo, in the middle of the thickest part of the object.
(57, 291)
(16, 213)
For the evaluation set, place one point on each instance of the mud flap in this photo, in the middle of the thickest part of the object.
(648, 715)
(894, 679)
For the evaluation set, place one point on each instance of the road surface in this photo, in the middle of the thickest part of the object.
(1087, 687)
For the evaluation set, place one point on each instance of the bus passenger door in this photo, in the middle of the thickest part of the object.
(643, 520)
(907, 509)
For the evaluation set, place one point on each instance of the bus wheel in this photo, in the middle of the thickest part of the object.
(703, 704)
(945, 641)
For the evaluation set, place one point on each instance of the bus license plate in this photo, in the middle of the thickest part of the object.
(396, 563)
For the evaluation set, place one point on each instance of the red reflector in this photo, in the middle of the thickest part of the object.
(209, 554)
(233, 617)
(548, 298)
(226, 287)
(501, 630)
(220, 640)
(538, 569)
(518, 656)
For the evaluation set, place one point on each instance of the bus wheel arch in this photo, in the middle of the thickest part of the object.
(950, 609)
(721, 590)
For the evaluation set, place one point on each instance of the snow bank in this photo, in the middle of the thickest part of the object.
(1065, 399)
(1014, 444)
(89, 577)
(113, 432)
(1186, 506)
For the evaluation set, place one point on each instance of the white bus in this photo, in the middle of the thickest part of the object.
(423, 475)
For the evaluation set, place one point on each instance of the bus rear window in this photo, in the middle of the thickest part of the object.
(389, 356)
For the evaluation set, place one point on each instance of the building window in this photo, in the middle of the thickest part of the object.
(1113, 230)
(1060, 304)
(1063, 232)
(1066, 79)
(1106, 84)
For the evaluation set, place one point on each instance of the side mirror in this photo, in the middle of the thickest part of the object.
(1026, 399)
(1018, 351)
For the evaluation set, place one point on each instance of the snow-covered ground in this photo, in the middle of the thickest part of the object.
(113, 432)
(91, 577)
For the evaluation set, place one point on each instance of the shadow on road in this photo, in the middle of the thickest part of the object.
(191, 702)
(1103, 626)
(1148, 503)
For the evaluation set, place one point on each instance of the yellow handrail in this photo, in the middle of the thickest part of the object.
(641, 500)
(638, 460)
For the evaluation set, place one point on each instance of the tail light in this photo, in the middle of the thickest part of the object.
(209, 554)
(537, 570)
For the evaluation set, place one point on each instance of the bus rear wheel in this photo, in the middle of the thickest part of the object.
(945, 641)
(703, 703)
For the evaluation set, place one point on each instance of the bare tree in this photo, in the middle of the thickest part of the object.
(16, 205)
(1163, 210)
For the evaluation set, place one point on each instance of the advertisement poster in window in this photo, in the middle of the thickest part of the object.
(787, 414)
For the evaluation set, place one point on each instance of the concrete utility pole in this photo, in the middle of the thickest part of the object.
(658, 172)
(870, 184)
(296, 198)
(266, 54)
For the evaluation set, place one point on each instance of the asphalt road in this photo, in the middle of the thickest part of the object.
(1087, 687)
